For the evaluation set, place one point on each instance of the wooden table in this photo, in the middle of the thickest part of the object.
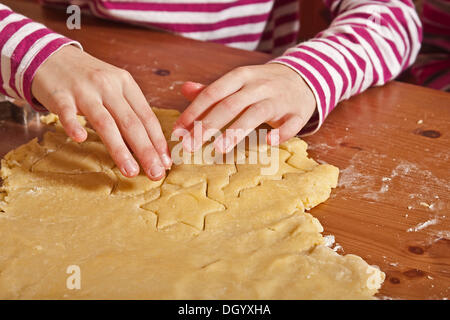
(391, 144)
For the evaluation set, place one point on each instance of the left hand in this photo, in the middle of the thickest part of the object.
(270, 93)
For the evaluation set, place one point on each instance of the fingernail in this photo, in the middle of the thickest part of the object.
(130, 168)
(78, 133)
(156, 171)
(197, 85)
(166, 160)
(179, 132)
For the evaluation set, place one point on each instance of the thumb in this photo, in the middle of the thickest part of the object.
(191, 89)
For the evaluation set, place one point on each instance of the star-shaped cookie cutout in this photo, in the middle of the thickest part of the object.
(187, 205)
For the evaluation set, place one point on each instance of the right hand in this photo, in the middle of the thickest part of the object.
(73, 82)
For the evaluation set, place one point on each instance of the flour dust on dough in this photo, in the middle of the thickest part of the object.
(204, 232)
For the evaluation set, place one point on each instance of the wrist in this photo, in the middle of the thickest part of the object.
(307, 98)
(54, 63)
(313, 94)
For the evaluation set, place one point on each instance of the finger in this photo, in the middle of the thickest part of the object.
(253, 117)
(108, 131)
(66, 110)
(218, 90)
(71, 125)
(136, 136)
(137, 101)
(191, 90)
(223, 113)
(287, 130)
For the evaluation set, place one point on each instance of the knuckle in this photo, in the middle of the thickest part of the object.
(100, 123)
(149, 117)
(118, 153)
(63, 106)
(264, 109)
(230, 105)
(160, 144)
(100, 78)
(125, 75)
(60, 101)
(150, 124)
(147, 156)
(242, 72)
(128, 122)
(211, 92)
(265, 87)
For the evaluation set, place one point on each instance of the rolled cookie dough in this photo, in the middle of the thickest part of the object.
(205, 232)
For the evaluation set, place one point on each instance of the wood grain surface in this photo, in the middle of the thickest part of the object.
(391, 144)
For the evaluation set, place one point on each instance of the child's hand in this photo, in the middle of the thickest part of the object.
(271, 93)
(72, 82)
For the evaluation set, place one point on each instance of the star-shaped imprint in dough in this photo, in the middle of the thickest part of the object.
(187, 205)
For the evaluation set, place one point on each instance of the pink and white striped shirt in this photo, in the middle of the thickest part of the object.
(368, 43)
(432, 68)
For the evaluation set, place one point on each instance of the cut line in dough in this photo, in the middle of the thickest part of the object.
(204, 232)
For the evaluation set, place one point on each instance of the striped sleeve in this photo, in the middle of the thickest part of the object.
(432, 68)
(368, 43)
(24, 46)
